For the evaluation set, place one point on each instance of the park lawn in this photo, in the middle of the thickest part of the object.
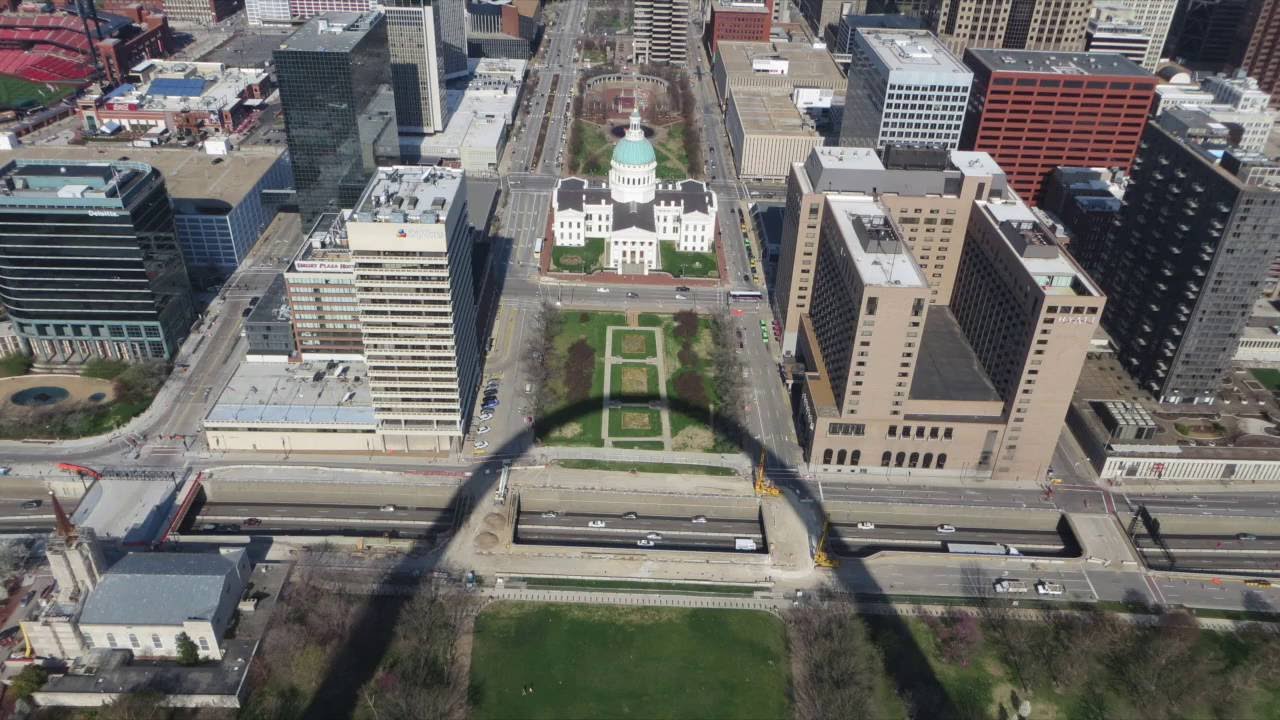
(647, 467)
(621, 343)
(682, 588)
(584, 428)
(673, 162)
(17, 93)
(590, 156)
(688, 264)
(618, 428)
(639, 445)
(595, 57)
(585, 259)
(597, 661)
(686, 413)
(1268, 377)
(619, 391)
(669, 169)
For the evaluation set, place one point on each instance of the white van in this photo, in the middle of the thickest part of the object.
(1010, 586)
(1044, 587)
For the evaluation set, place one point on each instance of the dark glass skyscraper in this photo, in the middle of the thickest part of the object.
(89, 260)
(333, 73)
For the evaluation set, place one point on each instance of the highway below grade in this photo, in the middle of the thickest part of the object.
(612, 531)
(846, 538)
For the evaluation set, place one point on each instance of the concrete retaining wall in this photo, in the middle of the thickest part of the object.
(926, 515)
(727, 508)
(359, 494)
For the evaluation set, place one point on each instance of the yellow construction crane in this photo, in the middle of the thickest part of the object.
(820, 557)
(763, 486)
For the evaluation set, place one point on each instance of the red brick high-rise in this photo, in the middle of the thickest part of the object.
(1262, 59)
(739, 20)
(1033, 111)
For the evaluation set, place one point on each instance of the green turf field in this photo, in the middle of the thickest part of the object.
(596, 661)
(16, 92)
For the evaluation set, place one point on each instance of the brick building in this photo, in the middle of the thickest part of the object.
(1034, 111)
(741, 20)
(1262, 58)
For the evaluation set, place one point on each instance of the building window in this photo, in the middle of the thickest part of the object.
(899, 459)
(826, 456)
(885, 458)
(204, 644)
(855, 457)
(88, 641)
(942, 460)
(915, 460)
(111, 640)
(155, 640)
(840, 456)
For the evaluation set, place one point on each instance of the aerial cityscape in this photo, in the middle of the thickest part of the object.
(569, 359)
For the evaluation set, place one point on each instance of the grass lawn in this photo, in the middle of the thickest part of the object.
(595, 57)
(688, 264)
(673, 163)
(1268, 377)
(595, 661)
(639, 445)
(635, 422)
(695, 423)
(585, 428)
(647, 467)
(16, 92)
(589, 149)
(633, 382)
(634, 345)
(585, 259)
(14, 364)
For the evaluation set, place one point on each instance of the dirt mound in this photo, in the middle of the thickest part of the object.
(486, 541)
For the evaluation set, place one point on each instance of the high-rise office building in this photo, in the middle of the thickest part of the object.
(333, 76)
(417, 65)
(1156, 17)
(896, 73)
(1033, 111)
(739, 21)
(320, 287)
(450, 19)
(661, 31)
(893, 385)
(1115, 29)
(1213, 35)
(411, 249)
(928, 192)
(1262, 57)
(1013, 24)
(1188, 256)
(89, 261)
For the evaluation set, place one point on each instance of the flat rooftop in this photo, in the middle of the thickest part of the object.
(71, 182)
(1059, 63)
(189, 174)
(325, 243)
(873, 242)
(912, 51)
(802, 61)
(767, 111)
(947, 368)
(131, 511)
(409, 194)
(287, 394)
(332, 32)
(176, 86)
(1054, 271)
(739, 6)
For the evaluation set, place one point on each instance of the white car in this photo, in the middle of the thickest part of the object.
(654, 536)
(698, 519)
(1044, 587)
(485, 416)
(481, 444)
(550, 514)
(681, 297)
(483, 429)
(596, 524)
(946, 529)
(389, 508)
(866, 526)
(602, 289)
(644, 543)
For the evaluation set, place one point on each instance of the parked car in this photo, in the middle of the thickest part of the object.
(483, 429)
(486, 416)
(481, 444)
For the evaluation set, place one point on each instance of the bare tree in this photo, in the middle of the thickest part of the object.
(838, 671)
(539, 357)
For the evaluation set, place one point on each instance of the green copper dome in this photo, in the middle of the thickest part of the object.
(634, 152)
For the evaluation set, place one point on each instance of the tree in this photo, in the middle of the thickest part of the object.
(686, 324)
(142, 705)
(839, 671)
(31, 679)
(188, 653)
(579, 368)
(543, 327)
